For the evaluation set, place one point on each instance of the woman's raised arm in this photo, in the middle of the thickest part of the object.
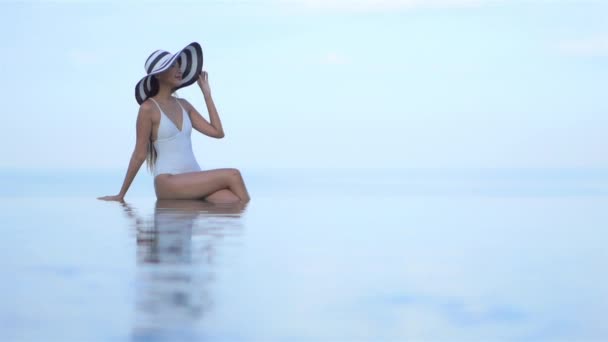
(214, 128)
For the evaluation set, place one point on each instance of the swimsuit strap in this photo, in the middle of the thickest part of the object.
(157, 105)
(176, 99)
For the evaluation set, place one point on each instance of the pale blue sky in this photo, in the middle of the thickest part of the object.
(307, 83)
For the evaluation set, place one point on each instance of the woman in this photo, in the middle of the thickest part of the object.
(164, 125)
(176, 257)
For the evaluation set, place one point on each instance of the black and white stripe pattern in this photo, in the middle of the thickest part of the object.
(157, 60)
(191, 58)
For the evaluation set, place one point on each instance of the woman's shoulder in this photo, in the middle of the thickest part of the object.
(148, 108)
(182, 100)
(147, 105)
(184, 103)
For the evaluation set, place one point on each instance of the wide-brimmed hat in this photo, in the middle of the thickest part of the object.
(191, 65)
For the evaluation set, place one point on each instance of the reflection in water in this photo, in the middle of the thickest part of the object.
(176, 258)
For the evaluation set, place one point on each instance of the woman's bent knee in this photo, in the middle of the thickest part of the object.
(234, 172)
(224, 196)
(232, 175)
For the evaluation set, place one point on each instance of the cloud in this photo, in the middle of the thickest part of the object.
(334, 58)
(596, 46)
(379, 5)
(83, 57)
(387, 5)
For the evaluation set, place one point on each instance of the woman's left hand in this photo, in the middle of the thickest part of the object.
(203, 82)
(118, 198)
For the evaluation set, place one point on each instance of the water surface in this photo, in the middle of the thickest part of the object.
(317, 255)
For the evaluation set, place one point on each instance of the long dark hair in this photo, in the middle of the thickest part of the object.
(151, 157)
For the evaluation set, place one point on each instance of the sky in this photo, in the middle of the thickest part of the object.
(310, 83)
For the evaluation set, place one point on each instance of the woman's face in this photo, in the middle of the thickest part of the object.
(172, 76)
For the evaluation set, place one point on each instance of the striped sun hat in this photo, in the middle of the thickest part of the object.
(191, 64)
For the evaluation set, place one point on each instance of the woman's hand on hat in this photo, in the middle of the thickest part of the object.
(203, 82)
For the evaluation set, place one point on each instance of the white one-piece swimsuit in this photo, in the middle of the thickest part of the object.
(173, 147)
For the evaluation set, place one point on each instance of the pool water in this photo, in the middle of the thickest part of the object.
(317, 255)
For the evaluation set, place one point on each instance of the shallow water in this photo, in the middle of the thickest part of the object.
(317, 255)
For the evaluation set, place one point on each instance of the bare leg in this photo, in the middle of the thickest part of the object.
(194, 185)
(223, 196)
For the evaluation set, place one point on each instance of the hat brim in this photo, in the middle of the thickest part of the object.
(191, 65)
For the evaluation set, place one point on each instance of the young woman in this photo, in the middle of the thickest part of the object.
(164, 125)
